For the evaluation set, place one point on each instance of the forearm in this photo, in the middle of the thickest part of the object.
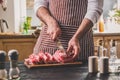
(94, 10)
(44, 15)
(53, 27)
(83, 28)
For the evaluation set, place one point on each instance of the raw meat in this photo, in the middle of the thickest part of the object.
(59, 56)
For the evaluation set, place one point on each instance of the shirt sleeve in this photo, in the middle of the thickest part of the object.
(94, 10)
(40, 3)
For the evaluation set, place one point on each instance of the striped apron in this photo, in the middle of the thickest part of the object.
(69, 14)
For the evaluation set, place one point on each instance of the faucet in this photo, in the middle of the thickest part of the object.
(2, 25)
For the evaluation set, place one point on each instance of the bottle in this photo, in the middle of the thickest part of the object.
(22, 20)
(27, 25)
(3, 71)
(113, 56)
(101, 24)
(102, 51)
(113, 50)
(14, 70)
(100, 48)
(29, 19)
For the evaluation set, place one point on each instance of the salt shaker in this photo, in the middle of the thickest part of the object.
(93, 64)
(3, 71)
(104, 65)
(14, 70)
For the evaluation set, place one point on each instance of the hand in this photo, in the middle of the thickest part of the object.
(53, 30)
(73, 47)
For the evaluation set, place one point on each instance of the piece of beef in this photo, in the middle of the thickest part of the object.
(49, 58)
(59, 56)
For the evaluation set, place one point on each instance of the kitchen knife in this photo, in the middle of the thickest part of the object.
(59, 45)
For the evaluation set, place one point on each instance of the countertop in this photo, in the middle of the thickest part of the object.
(103, 34)
(8, 35)
(79, 72)
(15, 35)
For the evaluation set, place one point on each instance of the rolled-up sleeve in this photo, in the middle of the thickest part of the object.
(94, 10)
(40, 3)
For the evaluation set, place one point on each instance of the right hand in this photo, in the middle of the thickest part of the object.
(53, 30)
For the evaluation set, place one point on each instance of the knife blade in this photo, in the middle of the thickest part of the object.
(59, 45)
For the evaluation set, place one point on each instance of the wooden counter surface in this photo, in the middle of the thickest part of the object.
(105, 34)
(9, 36)
(97, 34)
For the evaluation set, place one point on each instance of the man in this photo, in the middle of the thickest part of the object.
(71, 22)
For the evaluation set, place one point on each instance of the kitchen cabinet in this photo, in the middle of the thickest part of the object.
(23, 45)
(107, 37)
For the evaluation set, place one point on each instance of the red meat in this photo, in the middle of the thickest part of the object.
(56, 58)
(48, 58)
(59, 56)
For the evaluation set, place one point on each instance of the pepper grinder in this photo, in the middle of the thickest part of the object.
(3, 71)
(104, 65)
(14, 70)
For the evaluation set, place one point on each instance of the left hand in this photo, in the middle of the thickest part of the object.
(74, 47)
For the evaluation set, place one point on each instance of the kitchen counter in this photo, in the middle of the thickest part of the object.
(13, 35)
(104, 34)
(79, 72)
(9, 36)
(31, 34)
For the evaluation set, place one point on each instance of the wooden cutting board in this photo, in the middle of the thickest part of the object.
(51, 65)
